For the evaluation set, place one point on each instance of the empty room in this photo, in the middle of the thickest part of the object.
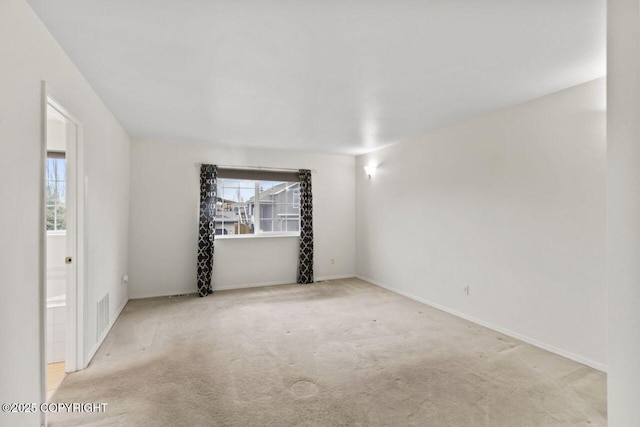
(319, 213)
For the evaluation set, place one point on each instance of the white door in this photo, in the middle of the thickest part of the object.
(72, 257)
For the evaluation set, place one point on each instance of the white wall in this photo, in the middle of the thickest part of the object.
(623, 211)
(164, 219)
(56, 331)
(56, 268)
(511, 204)
(29, 55)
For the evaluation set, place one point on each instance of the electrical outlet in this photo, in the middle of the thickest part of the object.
(125, 280)
(465, 290)
(333, 261)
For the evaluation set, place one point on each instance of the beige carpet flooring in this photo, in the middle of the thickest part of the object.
(329, 354)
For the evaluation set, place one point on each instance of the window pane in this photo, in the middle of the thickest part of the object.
(61, 217)
(296, 196)
(266, 211)
(229, 194)
(266, 185)
(293, 225)
(50, 217)
(237, 201)
(50, 169)
(61, 192)
(243, 228)
(237, 194)
(61, 169)
(280, 225)
(56, 192)
(223, 182)
(266, 225)
(294, 210)
(55, 169)
(51, 193)
(246, 194)
(247, 183)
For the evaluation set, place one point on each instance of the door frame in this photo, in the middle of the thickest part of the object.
(75, 290)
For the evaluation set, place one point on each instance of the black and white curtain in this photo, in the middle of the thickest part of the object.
(305, 256)
(207, 227)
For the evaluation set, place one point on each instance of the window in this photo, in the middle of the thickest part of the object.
(56, 211)
(257, 206)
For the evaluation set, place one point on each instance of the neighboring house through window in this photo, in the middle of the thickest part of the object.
(246, 205)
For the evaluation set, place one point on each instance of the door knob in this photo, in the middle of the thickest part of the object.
(68, 260)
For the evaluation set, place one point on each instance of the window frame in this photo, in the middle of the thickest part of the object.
(56, 155)
(258, 232)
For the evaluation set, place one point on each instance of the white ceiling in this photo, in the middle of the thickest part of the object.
(340, 76)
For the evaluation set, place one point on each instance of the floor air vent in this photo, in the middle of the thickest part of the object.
(102, 313)
(178, 296)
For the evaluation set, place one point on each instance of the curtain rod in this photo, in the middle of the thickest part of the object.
(257, 168)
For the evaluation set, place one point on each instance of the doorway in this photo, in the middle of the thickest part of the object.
(63, 219)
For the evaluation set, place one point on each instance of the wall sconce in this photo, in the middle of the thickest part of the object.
(370, 170)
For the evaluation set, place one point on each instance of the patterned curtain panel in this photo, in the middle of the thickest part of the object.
(207, 227)
(305, 257)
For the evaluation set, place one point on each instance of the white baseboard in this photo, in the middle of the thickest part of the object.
(262, 284)
(251, 285)
(160, 295)
(248, 285)
(101, 338)
(337, 277)
(576, 358)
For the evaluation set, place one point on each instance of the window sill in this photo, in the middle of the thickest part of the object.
(56, 232)
(256, 236)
